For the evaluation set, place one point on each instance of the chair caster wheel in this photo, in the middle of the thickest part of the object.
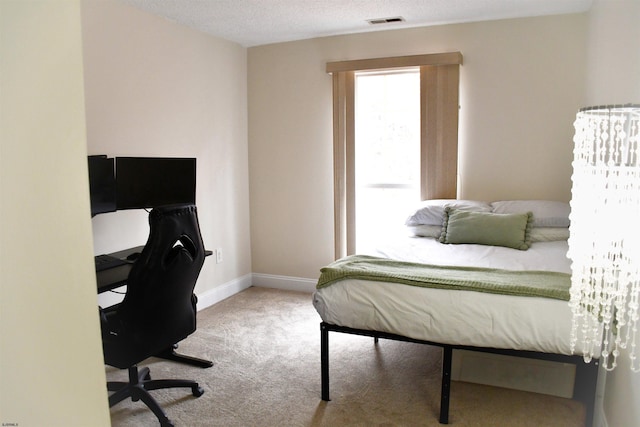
(197, 391)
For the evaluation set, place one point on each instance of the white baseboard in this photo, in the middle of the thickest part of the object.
(286, 283)
(599, 416)
(517, 373)
(601, 421)
(224, 291)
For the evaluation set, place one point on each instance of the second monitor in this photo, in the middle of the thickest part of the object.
(147, 182)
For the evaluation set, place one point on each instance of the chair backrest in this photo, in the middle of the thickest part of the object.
(159, 306)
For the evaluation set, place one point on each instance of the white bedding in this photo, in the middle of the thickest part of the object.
(456, 317)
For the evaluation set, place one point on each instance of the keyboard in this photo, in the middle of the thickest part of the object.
(105, 262)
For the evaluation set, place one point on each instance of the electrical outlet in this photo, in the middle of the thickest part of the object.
(218, 256)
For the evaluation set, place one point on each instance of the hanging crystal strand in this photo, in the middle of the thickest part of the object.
(616, 143)
(633, 329)
(606, 307)
(634, 141)
(603, 136)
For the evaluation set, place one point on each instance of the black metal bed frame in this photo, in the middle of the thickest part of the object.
(584, 388)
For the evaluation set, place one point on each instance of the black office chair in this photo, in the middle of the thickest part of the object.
(159, 308)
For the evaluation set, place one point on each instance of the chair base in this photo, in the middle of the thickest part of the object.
(138, 387)
(171, 354)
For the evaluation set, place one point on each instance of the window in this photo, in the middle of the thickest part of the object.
(439, 77)
(387, 152)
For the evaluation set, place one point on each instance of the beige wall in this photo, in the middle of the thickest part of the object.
(155, 88)
(521, 84)
(613, 56)
(613, 77)
(51, 366)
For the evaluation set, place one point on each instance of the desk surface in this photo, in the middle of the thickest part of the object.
(112, 278)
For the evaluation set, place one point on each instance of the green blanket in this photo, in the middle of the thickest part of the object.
(507, 282)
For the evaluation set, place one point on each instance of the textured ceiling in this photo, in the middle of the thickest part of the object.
(258, 22)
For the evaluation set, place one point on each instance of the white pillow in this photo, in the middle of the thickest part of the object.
(425, 230)
(546, 213)
(549, 234)
(431, 212)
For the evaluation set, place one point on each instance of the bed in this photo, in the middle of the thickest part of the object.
(498, 280)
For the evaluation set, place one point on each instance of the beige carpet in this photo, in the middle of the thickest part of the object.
(265, 344)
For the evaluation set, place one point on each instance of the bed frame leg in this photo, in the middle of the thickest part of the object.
(584, 387)
(324, 361)
(447, 353)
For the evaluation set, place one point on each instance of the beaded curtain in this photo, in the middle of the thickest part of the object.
(604, 243)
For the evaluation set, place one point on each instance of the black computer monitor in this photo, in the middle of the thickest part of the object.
(148, 182)
(102, 184)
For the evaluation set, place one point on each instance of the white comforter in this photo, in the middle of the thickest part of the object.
(456, 317)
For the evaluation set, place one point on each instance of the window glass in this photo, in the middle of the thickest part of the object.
(387, 152)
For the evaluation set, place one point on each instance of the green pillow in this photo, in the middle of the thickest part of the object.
(486, 228)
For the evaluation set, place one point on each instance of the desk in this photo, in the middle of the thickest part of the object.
(116, 277)
(112, 278)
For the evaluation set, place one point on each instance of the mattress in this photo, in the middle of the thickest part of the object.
(456, 317)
